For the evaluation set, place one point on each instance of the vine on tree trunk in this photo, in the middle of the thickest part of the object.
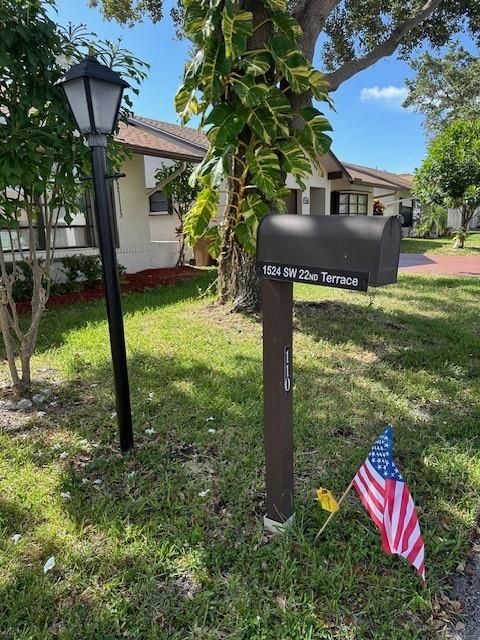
(246, 68)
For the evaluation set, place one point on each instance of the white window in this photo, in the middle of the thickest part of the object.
(159, 203)
(350, 203)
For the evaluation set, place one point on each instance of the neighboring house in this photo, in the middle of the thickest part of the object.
(454, 220)
(392, 189)
(145, 227)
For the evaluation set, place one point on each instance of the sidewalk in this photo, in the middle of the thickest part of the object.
(440, 265)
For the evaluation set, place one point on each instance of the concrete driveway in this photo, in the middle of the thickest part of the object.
(440, 265)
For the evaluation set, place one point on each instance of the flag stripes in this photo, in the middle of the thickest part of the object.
(386, 498)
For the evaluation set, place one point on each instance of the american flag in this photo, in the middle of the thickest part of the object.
(386, 497)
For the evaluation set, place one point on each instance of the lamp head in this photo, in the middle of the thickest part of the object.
(94, 93)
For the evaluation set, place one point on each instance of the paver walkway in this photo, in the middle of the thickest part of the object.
(440, 265)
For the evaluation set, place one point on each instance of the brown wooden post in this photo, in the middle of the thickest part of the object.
(278, 405)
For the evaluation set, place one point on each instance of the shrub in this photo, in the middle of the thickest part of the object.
(82, 271)
(122, 271)
(23, 285)
(433, 221)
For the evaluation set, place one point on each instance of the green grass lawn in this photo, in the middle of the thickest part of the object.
(141, 550)
(443, 246)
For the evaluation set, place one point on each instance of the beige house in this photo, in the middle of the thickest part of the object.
(454, 220)
(146, 227)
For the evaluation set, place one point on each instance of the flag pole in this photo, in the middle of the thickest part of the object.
(347, 491)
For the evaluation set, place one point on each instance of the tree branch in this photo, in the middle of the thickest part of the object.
(311, 15)
(384, 49)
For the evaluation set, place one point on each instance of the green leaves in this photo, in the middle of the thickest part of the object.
(254, 207)
(236, 28)
(291, 63)
(192, 68)
(284, 22)
(215, 242)
(186, 103)
(276, 5)
(253, 210)
(200, 20)
(212, 171)
(295, 161)
(213, 71)
(175, 184)
(248, 117)
(280, 109)
(450, 174)
(262, 123)
(227, 124)
(249, 92)
(201, 214)
(256, 64)
(313, 138)
(265, 170)
(319, 86)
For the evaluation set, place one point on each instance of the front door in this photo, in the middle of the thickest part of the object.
(292, 201)
(317, 201)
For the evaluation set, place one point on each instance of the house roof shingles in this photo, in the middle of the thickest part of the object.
(189, 135)
(167, 140)
(162, 139)
(379, 178)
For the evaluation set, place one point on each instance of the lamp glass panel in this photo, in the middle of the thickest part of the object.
(76, 96)
(105, 102)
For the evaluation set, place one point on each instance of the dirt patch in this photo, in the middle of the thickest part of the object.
(228, 320)
(183, 451)
(62, 404)
(466, 589)
(328, 308)
(187, 586)
(365, 357)
(16, 422)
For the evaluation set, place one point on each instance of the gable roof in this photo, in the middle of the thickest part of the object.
(186, 134)
(166, 140)
(162, 139)
(379, 178)
(334, 167)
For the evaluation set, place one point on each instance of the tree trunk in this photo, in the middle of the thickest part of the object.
(26, 368)
(467, 215)
(238, 283)
(20, 345)
(8, 340)
(181, 252)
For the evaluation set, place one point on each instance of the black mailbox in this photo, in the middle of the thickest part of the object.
(348, 252)
(333, 251)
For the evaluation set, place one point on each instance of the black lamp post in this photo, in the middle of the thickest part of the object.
(94, 93)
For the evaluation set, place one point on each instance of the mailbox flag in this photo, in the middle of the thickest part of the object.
(384, 494)
(327, 501)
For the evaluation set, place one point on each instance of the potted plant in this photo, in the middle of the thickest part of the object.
(460, 237)
(378, 208)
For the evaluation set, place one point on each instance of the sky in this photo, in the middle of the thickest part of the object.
(370, 126)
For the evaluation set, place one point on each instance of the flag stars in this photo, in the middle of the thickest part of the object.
(381, 458)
